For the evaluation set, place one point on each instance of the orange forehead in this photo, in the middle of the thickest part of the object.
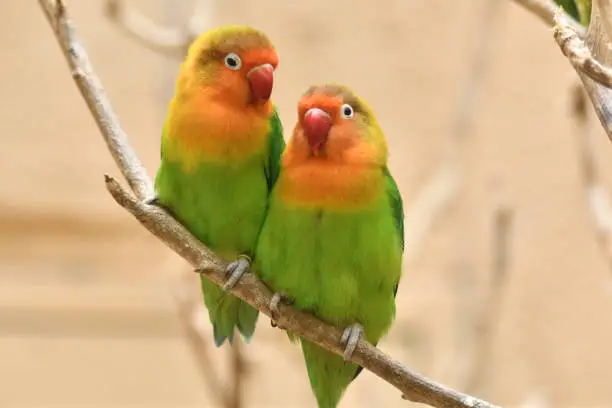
(257, 56)
(328, 103)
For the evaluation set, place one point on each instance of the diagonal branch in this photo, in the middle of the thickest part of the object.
(590, 70)
(96, 100)
(578, 53)
(413, 385)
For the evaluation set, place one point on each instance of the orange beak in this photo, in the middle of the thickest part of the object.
(261, 81)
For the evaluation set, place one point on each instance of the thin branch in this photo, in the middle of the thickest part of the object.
(165, 40)
(599, 48)
(578, 53)
(413, 385)
(546, 10)
(96, 100)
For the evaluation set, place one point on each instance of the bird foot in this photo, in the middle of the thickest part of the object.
(277, 298)
(153, 200)
(235, 270)
(350, 338)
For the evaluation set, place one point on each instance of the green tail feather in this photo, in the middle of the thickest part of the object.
(227, 313)
(329, 374)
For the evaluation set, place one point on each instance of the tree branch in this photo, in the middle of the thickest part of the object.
(546, 10)
(165, 40)
(413, 385)
(578, 53)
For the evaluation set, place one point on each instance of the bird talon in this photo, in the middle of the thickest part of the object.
(235, 270)
(350, 338)
(154, 200)
(275, 302)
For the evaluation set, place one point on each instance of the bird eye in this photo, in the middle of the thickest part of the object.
(347, 111)
(232, 61)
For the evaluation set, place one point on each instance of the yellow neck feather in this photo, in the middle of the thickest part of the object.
(204, 129)
(337, 186)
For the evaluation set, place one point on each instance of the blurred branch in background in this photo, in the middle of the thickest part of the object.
(470, 309)
(491, 308)
(175, 41)
(589, 59)
(165, 40)
(192, 314)
(413, 385)
(598, 196)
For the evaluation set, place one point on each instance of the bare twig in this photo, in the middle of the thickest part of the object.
(165, 40)
(599, 46)
(96, 100)
(413, 385)
(578, 53)
(546, 9)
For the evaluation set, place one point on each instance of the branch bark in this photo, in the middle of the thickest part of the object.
(599, 50)
(413, 385)
(579, 54)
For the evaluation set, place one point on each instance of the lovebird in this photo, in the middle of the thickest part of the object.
(332, 243)
(221, 145)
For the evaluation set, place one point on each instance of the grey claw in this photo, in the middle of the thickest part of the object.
(277, 298)
(235, 270)
(350, 338)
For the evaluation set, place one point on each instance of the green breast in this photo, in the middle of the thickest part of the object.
(223, 206)
(341, 266)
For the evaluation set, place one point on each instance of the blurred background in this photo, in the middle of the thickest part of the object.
(507, 288)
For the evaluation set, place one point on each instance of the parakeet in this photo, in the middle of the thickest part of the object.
(220, 156)
(333, 239)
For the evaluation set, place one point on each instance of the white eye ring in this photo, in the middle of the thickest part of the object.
(347, 111)
(233, 61)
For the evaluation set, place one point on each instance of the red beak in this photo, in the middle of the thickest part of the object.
(261, 80)
(317, 124)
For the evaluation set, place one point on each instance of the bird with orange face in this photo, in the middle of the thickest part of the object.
(333, 239)
(220, 151)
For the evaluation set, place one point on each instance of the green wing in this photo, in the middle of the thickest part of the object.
(276, 146)
(397, 205)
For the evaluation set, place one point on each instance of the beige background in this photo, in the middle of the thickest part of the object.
(86, 311)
